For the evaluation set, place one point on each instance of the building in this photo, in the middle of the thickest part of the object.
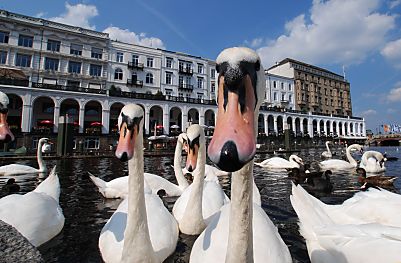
(50, 70)
(317, 90)
(280, 91)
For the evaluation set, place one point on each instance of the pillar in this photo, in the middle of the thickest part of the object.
(56, 116)
(105, 121)
(26, 120)
(81, 119)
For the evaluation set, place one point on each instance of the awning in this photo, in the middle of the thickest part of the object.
(96, 123)
(12, 73)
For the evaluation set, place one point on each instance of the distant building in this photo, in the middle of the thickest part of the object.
(280, 92)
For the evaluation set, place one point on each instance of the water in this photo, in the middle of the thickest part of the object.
(86, 211)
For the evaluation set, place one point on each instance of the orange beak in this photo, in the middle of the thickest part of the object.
(126, 142)
(5, 133)
(192, 158)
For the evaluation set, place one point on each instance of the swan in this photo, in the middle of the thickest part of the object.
(373, 162)
(141, 229)
(37, 215)
(331, 242)
(327, 154)
(5, 133)
(241, 231)
(118, 188)
(17, 169)
(202, 198)
(335, 164)
(280, 163)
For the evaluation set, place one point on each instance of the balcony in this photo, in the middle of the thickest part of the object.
(185, 87)
(135, 65)
(135, 82)
(184, 70)
(67, 88)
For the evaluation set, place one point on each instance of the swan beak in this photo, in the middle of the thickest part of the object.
(234, 139)
(192, 158)
(5, 133)
(126, 142)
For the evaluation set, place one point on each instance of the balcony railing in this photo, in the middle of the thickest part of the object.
(184, 86)
(134, 82)
(14, 82)
(135, 65)
(185, 70)
(67, 88)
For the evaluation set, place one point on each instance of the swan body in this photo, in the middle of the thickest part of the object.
(37, 215)
(230, 235)
(18, 169)
(327, 154)
(280, 163)
(340, 165)
(330, 242)
(118, 188)
(373, 162)
(141, 229)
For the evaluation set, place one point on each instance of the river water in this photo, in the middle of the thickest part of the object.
(86, 211)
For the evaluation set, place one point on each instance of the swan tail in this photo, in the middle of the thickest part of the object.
(310, 215)
(50, 186)
(101, 185)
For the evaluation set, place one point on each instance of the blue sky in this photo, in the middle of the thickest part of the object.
(363, 36)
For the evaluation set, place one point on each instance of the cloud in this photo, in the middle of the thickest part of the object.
(124, 35)
(40, 14)
(255, 43)
(367, 113)
(393, 4)
(77, 15)
(394, 95)
(392, 52)
(335, 31)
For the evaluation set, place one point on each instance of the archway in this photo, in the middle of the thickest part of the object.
(193, 116)
(209, 121)
(156, 120)
(298, 131)
(321, 126)
(70, 108)
(175, 121)
(305, 126)
(115, 110)
(261, 124)
(14, 117)
(270, 125)
(314, 129)
(43, 115)
(93, 118)
(280, 128)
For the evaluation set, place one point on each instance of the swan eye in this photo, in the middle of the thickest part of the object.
(125, 131)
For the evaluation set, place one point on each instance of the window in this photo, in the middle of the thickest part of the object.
(200, 83)
(212, 87)
(23, 60)
(180, 81)
(95, 70)
(200, 68)
(168, 92)
(74, 67)
(135, 60)
(275, 96)
(92, 143)
(25, 41)
(213, 73)
(76, 49)
(149, 62)
(53, 45)
(51, 64)
(200, 96)
(118, 74)
(282, 85)
(119, 57)
(3, 57)
(169, 76)
(4, 37)
(274, 84)
(290, 98)
(96, 53)
(169, 62)
(149, 78)
(180, 95)
(73, 83)
(289, 86)
(282, 96)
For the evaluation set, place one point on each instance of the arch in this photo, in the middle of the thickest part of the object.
(70, 108)
(314, 128)
(321, 128)
(115, 110)
(175, 119)
(289, 123)
(328, 123)
(335, 131)
(270, 125)
(298, 130)
(43, 115)
(156, 120)
(361, 131)
(346, 128)
(280, 128)
(261, 124)
(340, 128)
(193, 116)
(93, 117)
(305, 126)
(14, 117)
(210, 120)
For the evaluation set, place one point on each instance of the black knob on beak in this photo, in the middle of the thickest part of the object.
(229, 160)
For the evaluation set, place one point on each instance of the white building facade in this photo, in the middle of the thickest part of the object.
(280, 91)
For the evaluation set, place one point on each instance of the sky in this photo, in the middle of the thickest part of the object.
(361, 38)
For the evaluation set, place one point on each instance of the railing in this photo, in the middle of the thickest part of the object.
(135, 82)
(185, 86)
(14, 82)
(67, 88)
(135, 65)
(185, 70)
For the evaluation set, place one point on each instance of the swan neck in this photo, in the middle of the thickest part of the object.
(240, 237)
(137, 245)
(327, 147)
(192, 222)
(39, 157)
(182, 182)
(351, 159)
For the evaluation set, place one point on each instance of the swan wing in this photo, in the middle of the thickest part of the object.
(50, 186)
(277, 162)
(17, 169)
(334, 164)
(156, 183)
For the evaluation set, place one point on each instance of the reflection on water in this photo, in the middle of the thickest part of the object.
(86, 211)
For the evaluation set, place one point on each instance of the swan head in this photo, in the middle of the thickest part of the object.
(296, 159)
(241, 89)
(5, 133)
(194, 139)
(130, 122)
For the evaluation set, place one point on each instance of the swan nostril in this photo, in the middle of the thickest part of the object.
(229, 160)
(124, 157)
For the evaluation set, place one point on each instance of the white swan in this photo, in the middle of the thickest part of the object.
(373, 162)
(335, 164)
(327, 154)
(37, 215)
(5, 133)
(17, 169)
(118, 188)
(350, 243)
(202, 198)
(280, 163)
(141, 229)
(241, 231)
